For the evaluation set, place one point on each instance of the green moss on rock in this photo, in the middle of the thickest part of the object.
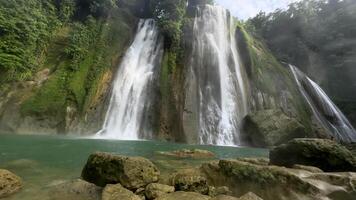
(324, 154)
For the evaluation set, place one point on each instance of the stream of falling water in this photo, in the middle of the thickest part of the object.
(216, 77)
(133, 88)
(325, 111)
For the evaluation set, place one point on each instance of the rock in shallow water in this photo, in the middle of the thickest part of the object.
(188, 153)
(75, 190)
(324, 154)
(9, 183)
(117, 192)
(131, 172)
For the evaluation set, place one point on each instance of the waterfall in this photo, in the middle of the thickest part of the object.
(325, 111)
(215, 79)
(133, 86)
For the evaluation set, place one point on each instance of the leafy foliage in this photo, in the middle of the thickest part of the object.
(25, 27)
(170, 14)
(318, 36)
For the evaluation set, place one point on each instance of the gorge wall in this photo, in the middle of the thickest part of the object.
(70, 89)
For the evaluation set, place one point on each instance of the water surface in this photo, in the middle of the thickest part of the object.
(42, 161)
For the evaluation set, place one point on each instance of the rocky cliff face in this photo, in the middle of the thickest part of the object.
(68, 94)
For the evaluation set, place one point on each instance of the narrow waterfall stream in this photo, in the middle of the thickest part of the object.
(325, 111)
(134, 86)
(215, 79)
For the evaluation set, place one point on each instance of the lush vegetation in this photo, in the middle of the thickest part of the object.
(317, 36)
(26, 28)
(78, 41)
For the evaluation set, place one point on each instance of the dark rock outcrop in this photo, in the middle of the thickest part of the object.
(130, 172)
(324, 154)
(271, 127)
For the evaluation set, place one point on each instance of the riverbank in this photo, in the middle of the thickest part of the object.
(70, 169)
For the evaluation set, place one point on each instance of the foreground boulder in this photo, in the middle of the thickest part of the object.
(278, 183)
(155, 190)
(9, 183)
(74, 190)
(131, 172)
(117, 192)
(250, 196)
(324, 154)
(224, 197)
(271, 127)
(190, 180)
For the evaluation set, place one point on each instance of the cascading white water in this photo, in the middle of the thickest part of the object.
(133, 85)
(325, 111)
(216, 77)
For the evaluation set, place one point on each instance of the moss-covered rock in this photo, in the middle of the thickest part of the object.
(154, 190)
(190, 180)
(9, 183)
(264, 176)
(117, 192)
(75, 190)
(271, 127)
(250, 196)
(218, 191)
(324, 154)
(277, 183)
(189, 153)
(224, 197)
(131, 172)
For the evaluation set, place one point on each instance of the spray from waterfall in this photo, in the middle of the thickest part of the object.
(325, 111)
(216, 77)
(134, 86)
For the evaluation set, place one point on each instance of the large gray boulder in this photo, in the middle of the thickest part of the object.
(322, 153)
(9, 183)
(271, 127)
(117, 192)
(74, 190)
(130, 172)
(279, 183)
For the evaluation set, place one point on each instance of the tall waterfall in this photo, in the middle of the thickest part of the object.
(325, 111)
(215, 79)
(133, 86)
